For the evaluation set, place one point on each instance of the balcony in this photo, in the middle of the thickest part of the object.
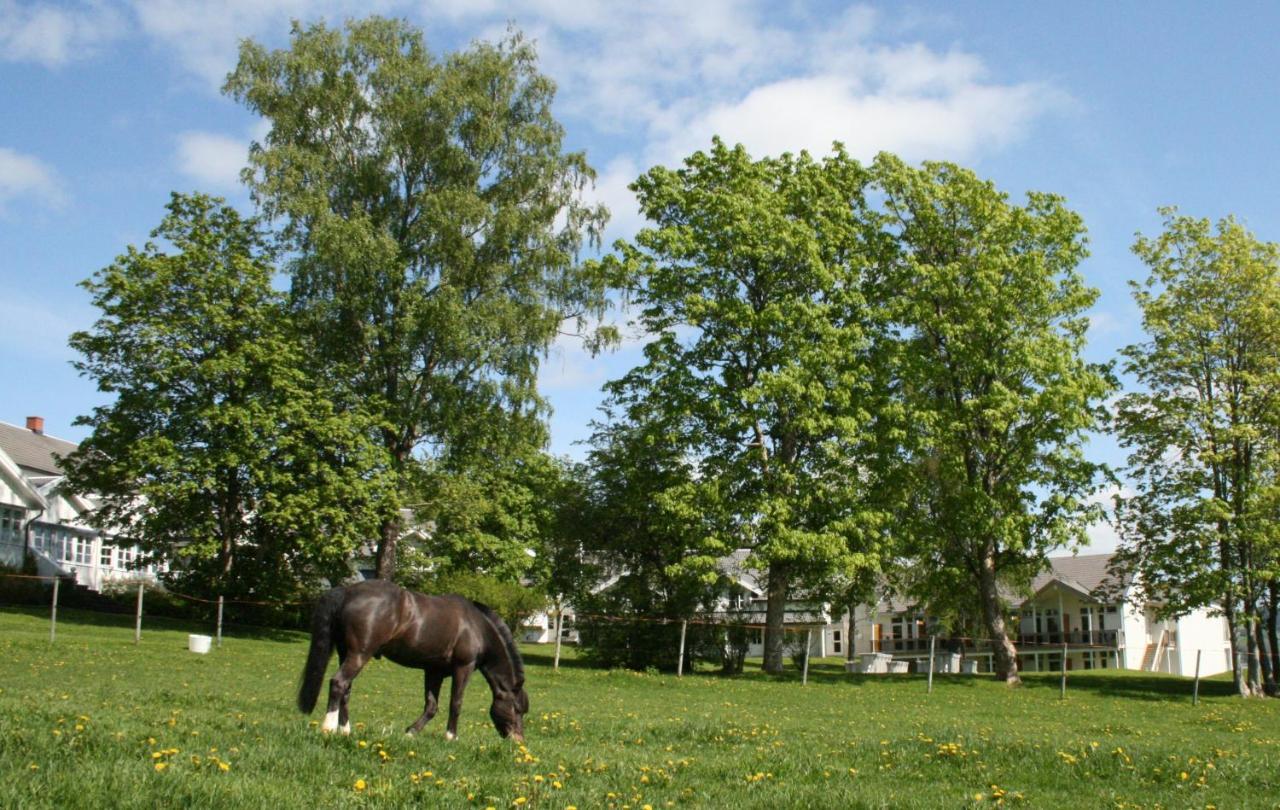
(1073, 638)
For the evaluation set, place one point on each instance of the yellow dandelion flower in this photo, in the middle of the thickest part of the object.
(160, 766)
(520, 800)
(224, 767)
(360, 784)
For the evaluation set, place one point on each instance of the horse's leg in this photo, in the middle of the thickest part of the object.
(460, 676)
(336, 718)
(433, 681)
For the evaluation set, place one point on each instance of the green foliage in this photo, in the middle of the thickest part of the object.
(511, 600)
(435, 222)
(217, 454)
(751, 280)
(503, 516)
(1202, 434)
(996, 398)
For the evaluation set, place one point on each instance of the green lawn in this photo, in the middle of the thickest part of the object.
(93, 721)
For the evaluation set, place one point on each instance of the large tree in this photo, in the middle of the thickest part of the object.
(1202, 433)
(434, 218)
(217, 454)
(751, 282)
(997, 400)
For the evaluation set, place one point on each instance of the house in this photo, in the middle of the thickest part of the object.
(1077, 608)
(38, 517)
(745, 603)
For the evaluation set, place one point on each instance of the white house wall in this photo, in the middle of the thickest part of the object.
(1198, 631)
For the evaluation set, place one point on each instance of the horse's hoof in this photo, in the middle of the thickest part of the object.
(345, 729)
(449, 735)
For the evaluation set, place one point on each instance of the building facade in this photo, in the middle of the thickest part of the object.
(1075, 609)
(39, 518)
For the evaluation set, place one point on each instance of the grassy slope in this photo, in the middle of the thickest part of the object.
(86, 721)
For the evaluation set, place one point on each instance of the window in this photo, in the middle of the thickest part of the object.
(10, 525)
(835, 640)
(81, 550)
(106, 558)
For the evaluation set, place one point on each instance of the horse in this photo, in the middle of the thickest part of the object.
(445, 636)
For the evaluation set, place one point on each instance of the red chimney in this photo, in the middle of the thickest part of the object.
(35, 424)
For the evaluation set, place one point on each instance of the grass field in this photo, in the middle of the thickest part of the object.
(93, 721)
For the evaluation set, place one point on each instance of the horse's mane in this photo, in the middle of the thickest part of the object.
(504, 632)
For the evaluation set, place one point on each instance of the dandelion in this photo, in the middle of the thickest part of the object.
(224, 767)
(160, 766)
(520, 800)
(360, 784)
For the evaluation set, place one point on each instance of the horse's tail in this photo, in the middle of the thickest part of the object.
(322, 621)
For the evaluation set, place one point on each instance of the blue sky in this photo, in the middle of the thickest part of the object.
(107, 107)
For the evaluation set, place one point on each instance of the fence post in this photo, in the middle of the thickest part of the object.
(932, 641)
(1062, 695)
(219, 631)
(1195, 694)
(684, 627)
(137, 625)
(53, 615)
(808, 650)
(559, 631)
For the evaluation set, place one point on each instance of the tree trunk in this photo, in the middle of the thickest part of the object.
(1004, 655)
(775, 616)
(1273, 626)
(387, 541)
(1237, 659)
(849, 629)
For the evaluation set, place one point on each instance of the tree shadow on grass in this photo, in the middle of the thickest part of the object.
(1132, 685)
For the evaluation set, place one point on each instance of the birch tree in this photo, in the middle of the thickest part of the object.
(434, 220)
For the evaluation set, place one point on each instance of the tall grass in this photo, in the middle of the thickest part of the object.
(93, 721)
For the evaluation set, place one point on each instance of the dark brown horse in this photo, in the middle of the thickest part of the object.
(445, 636)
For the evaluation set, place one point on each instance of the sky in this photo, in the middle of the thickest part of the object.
(105, 108)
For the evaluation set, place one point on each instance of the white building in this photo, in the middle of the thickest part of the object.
(38, 517)
(1076, 605)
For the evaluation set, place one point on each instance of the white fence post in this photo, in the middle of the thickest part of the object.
(1062, 695)
(1195, 694)
(219, 630)
(559, 632)
(53, 615)
(932, 641)
(684, 627)
(137, 625)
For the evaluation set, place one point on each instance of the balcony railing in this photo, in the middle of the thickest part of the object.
(1088, 638)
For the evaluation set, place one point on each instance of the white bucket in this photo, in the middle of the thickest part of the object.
(199, 644)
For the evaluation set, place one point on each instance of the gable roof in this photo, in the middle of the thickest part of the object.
(1090, 574)
(33, 452)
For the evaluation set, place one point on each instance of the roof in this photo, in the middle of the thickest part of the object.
(33, 451)
(1089, 574)
(734, 566)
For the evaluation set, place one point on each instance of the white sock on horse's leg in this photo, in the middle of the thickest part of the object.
(330, 721)
(449, 735)
(345, 728)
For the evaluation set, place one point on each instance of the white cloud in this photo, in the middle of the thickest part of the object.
(23, 176)
(211, 159)
(53, 35)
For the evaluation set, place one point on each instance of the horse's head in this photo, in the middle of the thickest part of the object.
(508, 710)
